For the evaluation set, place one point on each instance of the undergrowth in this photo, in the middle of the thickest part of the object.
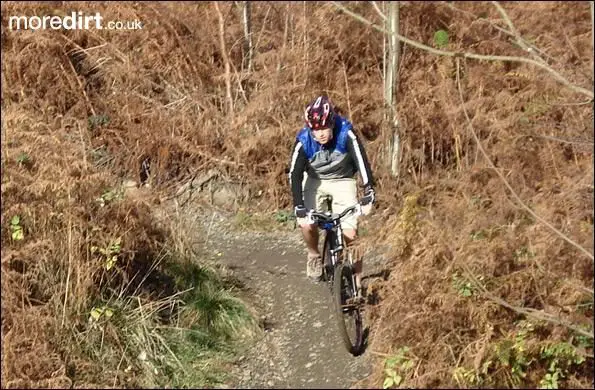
(183, 340)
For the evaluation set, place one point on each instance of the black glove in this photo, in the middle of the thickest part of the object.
(369, 196)
(300, 211)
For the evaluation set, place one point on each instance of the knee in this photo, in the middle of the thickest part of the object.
(308, 229)
(350, 234)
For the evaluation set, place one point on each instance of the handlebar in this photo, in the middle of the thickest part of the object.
(318, 217)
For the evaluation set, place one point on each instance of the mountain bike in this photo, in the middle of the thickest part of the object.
(338, 271)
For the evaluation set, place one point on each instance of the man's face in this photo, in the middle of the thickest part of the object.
(323, 135)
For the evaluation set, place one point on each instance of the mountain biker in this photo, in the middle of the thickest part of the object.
(326, 156)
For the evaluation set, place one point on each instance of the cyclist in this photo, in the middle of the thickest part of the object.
(326, 156)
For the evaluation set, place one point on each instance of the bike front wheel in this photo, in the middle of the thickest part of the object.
(348, 311)
(327, 262)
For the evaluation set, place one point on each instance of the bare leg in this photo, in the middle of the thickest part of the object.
(310, 233)
(350, 236)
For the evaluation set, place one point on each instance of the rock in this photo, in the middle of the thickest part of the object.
(142, 356)
(224, 196)
(129, 184)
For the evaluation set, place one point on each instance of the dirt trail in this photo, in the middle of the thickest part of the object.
(301, 347)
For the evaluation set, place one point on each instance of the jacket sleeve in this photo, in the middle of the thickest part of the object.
(358, 153)
(297, 167)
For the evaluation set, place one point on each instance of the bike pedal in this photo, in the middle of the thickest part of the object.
(355, 301)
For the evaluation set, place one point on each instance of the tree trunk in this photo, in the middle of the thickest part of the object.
(306, 52)
(384, 54)
(229, 100)
(593, 38)
(285, 38)
(390, 89)
(248, 48)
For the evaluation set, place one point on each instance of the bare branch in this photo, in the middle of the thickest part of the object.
(520, 41)
(264, 23)
(501, 29)
(419, 45)
(383, 16)
(563, 140)
(537, 314)
(512, 191)
(579, 287)
(573, 103)
(479, 18)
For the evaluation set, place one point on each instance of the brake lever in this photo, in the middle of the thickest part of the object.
(358, 209)
(310, 218)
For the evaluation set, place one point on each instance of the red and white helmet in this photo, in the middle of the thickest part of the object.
(320, 113)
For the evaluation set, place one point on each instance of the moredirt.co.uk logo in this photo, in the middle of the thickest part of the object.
(74, 21)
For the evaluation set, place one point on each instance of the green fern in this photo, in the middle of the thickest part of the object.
(440, 39)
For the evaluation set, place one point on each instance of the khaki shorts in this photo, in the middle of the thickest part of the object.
(343, 192)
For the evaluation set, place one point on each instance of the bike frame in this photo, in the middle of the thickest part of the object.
(345, 295)
(334, 232)
(336, 243)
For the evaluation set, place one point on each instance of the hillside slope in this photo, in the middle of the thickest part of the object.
(492, 253)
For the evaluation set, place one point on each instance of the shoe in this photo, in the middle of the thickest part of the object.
(314, 267)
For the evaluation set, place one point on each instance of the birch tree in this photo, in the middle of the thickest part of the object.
(390, 75)
(593, 37)
(468, 55)
(391, 81)
(229, 99)
(248, 47)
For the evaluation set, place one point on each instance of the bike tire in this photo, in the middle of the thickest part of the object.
(327, 265)
(343, 289)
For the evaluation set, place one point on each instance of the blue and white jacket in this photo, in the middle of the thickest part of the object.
(342, 157)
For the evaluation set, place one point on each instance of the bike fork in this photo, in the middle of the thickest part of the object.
(349, 260)
(353, 278)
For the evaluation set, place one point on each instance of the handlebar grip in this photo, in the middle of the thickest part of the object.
(366, 200)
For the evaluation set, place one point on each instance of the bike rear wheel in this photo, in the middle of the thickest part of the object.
(349, 316)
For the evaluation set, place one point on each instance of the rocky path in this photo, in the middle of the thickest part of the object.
(300, 347)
